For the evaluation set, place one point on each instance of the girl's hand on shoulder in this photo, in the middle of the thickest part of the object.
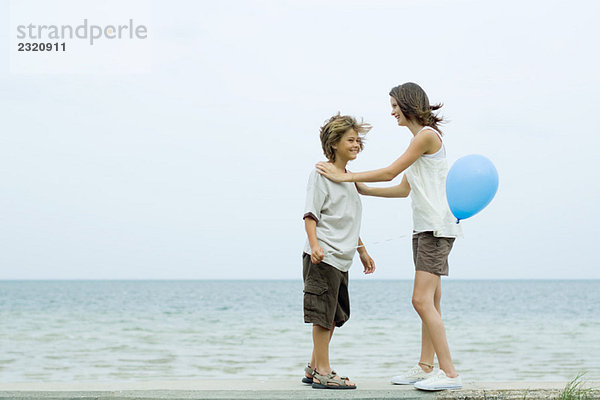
(328, 171)
(367, 262)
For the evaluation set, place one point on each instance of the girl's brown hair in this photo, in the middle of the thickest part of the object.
(334, 129)
(414, 104)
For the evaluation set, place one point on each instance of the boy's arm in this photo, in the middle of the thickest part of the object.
(401, 190)
(365, 258)
(316, 255)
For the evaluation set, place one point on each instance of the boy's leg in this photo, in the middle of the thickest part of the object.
(427, 350)
(425, 288)
(312, 359)
(321, 283)
(312, 273)
(321, 339)
(323, 308)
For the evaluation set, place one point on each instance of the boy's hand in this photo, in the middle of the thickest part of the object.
(367, 262)
(316, 255)
(328, 171)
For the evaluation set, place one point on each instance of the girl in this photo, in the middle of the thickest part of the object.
(425, 166)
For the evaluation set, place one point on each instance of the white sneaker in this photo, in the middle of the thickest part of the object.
(439, 381)
(415, 374)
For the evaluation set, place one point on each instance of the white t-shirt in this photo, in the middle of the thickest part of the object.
(427, 180)
(337, 209)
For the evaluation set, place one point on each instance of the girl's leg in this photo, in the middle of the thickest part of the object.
(427, 350)
(424, 302)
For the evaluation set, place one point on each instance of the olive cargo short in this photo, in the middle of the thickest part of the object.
(326, 299)
(430, 253)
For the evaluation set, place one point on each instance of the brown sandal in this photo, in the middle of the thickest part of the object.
(329, 381)
(309, 371)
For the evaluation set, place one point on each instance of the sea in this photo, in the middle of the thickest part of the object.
(98, 331)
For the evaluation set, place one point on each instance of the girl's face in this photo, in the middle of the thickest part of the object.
(348, 147)
(397, 113)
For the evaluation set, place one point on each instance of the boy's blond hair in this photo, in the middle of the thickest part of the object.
(334, 129)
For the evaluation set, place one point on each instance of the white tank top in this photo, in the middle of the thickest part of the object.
(427, 179)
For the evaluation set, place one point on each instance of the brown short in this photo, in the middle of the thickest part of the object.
(430, 253)
(326, 299)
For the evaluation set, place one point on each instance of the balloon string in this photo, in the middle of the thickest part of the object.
(370, 244)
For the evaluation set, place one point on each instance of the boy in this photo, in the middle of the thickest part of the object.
(332, 221)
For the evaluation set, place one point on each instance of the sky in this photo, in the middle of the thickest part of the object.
(185, 155)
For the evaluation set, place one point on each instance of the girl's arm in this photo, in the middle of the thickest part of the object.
(420, 145)
(401, 190)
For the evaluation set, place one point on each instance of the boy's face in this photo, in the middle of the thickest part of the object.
(348, 147)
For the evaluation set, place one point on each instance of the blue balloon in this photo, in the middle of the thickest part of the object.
(471, 184)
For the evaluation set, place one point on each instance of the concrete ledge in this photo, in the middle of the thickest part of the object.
(279, 389)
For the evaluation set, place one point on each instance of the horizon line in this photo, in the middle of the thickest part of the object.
(274, 279)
